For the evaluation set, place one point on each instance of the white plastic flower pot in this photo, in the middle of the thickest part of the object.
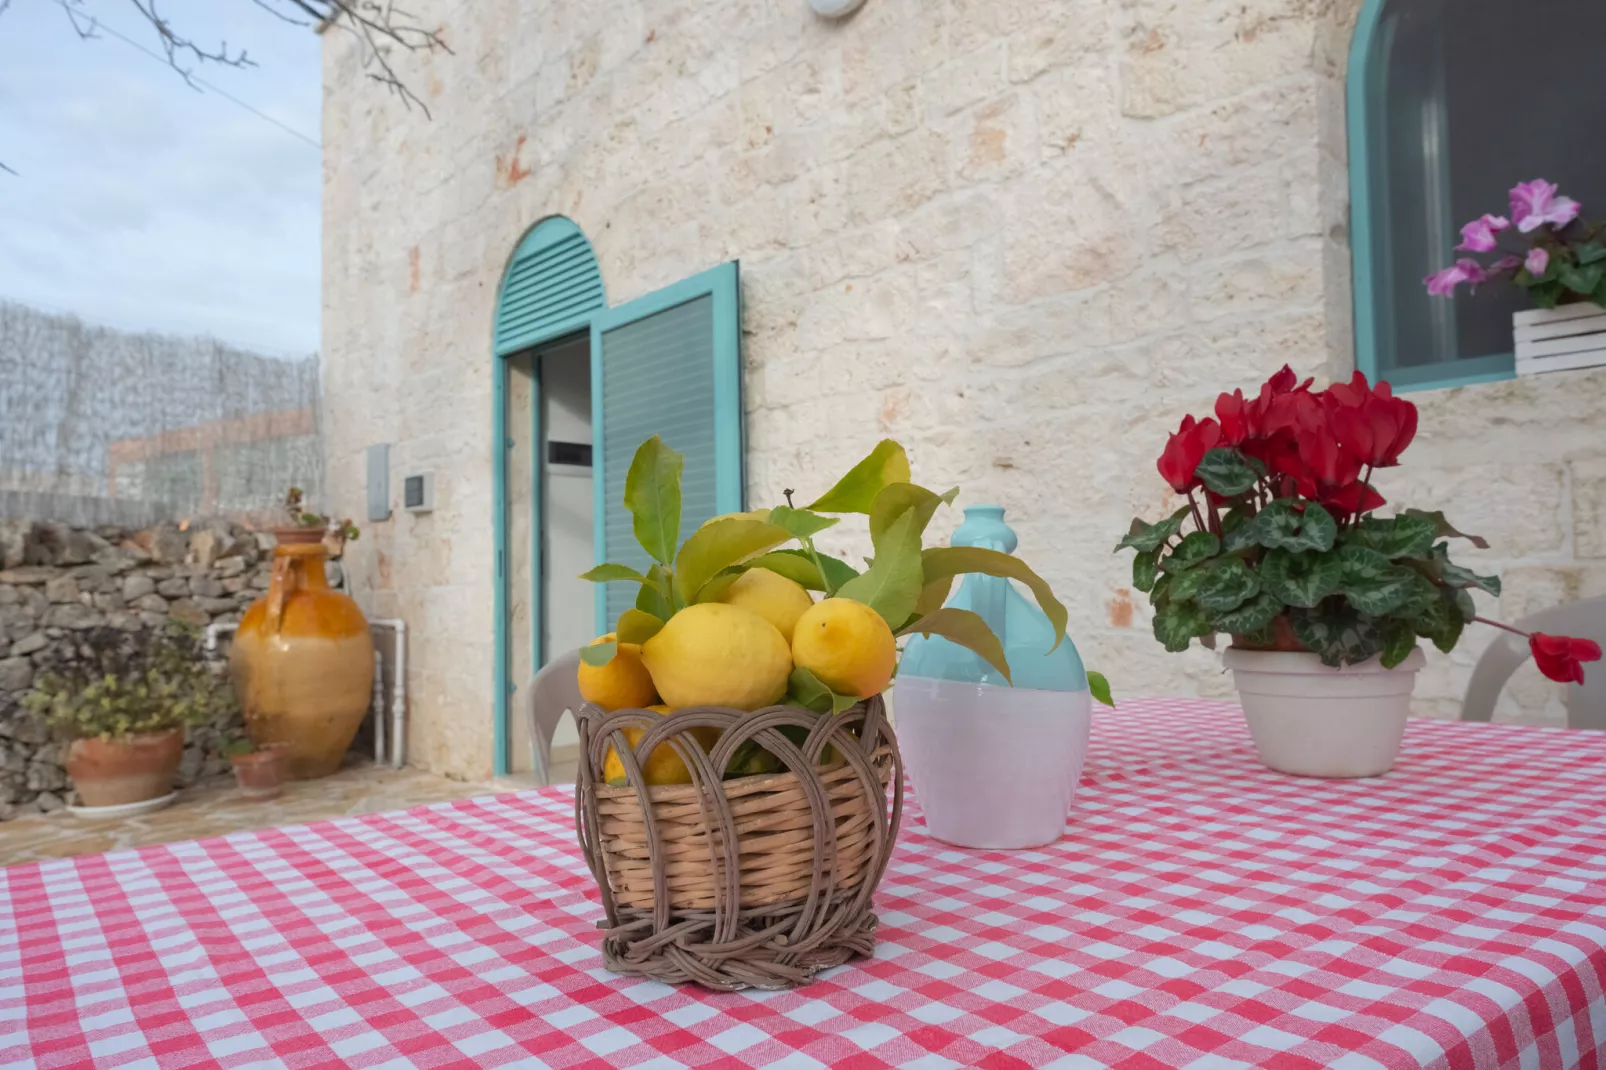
(994, 767)
(1312, 720)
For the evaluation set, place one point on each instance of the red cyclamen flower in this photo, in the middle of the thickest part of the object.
(1372, 424)
(1185, 449)
(1559, 657)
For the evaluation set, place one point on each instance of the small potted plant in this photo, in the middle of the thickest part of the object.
(1280, 545)
(258, 771)
(124, 699)
(1554, 256)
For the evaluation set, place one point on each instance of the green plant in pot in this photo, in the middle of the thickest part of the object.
(258, 770)
(1282, 546)
(123, 700)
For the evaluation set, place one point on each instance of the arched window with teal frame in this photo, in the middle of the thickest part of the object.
(1450, 105)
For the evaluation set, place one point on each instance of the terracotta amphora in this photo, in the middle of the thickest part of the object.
(303, 661)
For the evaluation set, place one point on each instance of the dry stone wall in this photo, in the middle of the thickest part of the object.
(57, 580)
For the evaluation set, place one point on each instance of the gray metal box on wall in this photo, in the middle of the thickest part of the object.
(379, 481)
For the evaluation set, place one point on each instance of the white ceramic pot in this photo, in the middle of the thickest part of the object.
(1312, 720)
(993, 767)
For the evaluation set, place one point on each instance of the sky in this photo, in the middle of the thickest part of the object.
(143, 204)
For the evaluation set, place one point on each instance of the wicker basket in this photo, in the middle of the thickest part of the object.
(758, 881)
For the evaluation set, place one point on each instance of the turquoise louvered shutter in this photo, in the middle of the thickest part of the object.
(551, 282)
(667, 364)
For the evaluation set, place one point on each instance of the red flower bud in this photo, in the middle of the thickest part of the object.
(1185, 449)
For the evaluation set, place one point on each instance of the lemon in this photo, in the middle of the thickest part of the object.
(663, 765)
(623, 683)
(770, 595)
(847, 645)
(712, 654)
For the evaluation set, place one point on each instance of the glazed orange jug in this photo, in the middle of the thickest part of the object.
(303, 660)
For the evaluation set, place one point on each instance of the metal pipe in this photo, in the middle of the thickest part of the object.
(379, 707)
(398, 702)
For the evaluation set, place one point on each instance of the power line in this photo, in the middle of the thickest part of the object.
(98, 25)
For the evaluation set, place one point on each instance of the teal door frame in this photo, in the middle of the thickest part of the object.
(506, 344)
(722, 284)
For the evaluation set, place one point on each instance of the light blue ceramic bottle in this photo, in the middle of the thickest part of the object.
(994, 765)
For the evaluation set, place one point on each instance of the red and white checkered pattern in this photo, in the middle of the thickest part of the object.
(1201, 911)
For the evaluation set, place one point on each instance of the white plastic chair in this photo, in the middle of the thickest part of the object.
(553, 690)
(1586, 702)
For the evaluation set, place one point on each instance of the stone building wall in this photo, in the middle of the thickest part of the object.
(56, 581)
(1022, 236)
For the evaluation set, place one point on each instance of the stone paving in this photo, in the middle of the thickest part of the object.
(215, 808)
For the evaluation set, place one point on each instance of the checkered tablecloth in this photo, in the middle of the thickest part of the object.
(1200, 911)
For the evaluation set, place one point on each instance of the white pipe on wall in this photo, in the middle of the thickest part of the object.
(378, 703)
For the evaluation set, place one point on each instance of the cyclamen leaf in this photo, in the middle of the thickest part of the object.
(1251, 617)
(1589, 252)
(1406, 535)
(1282, 525)
(1226, 586)
(1145, 570)
(1229, 472)
(1178, 624)
(1340, 637)
(1145, 536)
(856, 491)
(1099, 688)
(1383, 595)
(1399, 639)
(1453, 575)
(652, 494)
(1441, 622)
(1237, 532)
(1185, 585)
(1195, 547)
(1582, 279)
(967, 629)
(1300, 579)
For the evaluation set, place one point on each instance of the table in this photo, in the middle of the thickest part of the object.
(1202, 911)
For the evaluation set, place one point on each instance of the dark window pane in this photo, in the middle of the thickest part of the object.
(1463, 101)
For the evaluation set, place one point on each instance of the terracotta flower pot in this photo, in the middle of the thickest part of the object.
(260, 774)
(126, 769)
(303, 660)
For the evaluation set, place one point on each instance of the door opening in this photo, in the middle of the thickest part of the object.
(550, 530)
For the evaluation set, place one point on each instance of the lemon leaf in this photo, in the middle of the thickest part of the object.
(967, 629)
(800, 522)
(856, 491)
(809, 691)
(598, 654)
(654, 595)
(799, 567)
(652, 494)
(717, 546)
(637, 627)
(892, 584)
(1100, 687)
(610, 573)
(945, 562)
(895, 498)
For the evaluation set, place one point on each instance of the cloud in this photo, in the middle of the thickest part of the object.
(143, 203)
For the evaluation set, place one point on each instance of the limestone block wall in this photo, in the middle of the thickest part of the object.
(1021, 236)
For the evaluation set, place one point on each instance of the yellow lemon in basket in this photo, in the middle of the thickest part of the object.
(770, 595)
(623, 683)
(663, 765)
(847, 645)
(712, 654)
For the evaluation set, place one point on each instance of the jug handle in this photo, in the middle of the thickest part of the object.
(286, 578)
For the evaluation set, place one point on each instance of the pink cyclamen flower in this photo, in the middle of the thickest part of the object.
(1478, 235)
(1504, 265)
(1443, 283)
(1533, 204)
(1538, 262)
